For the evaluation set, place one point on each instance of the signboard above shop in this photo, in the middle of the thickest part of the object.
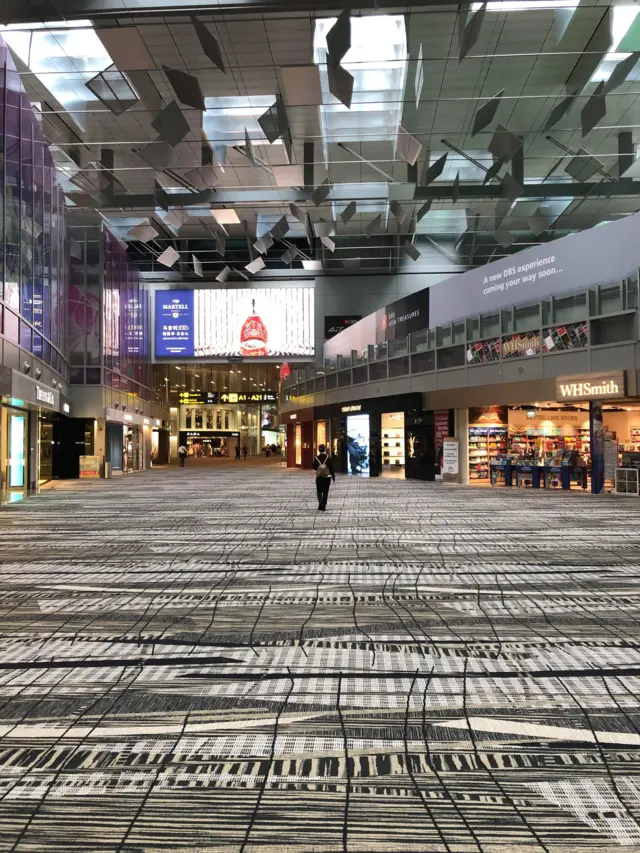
(591, 386)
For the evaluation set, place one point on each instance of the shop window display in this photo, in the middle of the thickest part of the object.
(393, 457)
(487, 440)
(358, 440)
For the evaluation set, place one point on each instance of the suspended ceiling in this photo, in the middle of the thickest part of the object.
(519, 50)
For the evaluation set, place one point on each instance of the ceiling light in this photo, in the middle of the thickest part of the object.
(312, 265)
(525, 5)
(225, 216)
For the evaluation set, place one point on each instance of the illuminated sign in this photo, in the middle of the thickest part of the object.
(174, 323)
(269, 322)
(45, 396)
(247, 397)
(203, 398)
(352, 408)
(593, 386)
(293, 417)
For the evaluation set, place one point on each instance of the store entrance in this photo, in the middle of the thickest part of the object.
(14, 432)
(45, 444)
(393, 438)
(542, 445)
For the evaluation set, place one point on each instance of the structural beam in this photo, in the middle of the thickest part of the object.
(602, 189)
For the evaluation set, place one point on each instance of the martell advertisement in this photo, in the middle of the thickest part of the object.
(174, 323)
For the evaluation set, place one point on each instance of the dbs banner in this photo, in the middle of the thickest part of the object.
(403, 317)
(275, 322)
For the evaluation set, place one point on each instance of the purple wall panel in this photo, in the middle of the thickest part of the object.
(33, 278)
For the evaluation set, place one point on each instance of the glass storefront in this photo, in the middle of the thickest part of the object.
(321, 434)
(298, 440)
(393, 457)
(14, 471)
(45, 448)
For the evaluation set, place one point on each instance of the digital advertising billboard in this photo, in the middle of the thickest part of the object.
(275, 322)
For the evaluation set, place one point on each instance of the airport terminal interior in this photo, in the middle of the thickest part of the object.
(319, 426)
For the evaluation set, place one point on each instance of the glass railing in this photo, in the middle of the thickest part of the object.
(468, 341)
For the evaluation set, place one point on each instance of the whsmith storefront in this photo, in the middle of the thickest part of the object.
(537, 389)
(29, 412)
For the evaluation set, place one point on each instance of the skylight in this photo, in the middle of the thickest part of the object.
(622, 19)
(226, 118)
(377, 61)
(449, 223)
(525, 5)
(63, 59)
(371, 198)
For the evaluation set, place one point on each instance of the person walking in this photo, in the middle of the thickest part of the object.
(245, 450)
(323, 466)
(237, 451)
(182, 454)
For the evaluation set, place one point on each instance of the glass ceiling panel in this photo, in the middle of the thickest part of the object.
(226, 118)
(63, 60)
(377, 61)
(623, 18)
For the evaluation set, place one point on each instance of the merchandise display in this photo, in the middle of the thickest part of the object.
(393, 453)
(486, 445)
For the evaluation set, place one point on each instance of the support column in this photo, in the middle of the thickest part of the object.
(462, 434)
(33, 450)
(596, 427)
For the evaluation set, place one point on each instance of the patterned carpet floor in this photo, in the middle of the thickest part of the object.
(201, 661)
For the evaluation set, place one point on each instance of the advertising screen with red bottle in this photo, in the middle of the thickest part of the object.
(274, 322)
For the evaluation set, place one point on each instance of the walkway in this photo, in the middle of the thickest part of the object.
(199, 661)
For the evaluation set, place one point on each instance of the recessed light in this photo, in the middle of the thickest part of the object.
(226, 216)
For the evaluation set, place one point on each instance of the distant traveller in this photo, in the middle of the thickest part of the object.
(323, 466)
(182, 454)
(237, 451)
(245, 450)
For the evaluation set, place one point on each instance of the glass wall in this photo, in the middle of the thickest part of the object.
(32, 232)
(108, 345)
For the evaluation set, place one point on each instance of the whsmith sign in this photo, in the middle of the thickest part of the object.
(592, 386)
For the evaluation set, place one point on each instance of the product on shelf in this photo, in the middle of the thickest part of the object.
(486, 444)
(393, 446)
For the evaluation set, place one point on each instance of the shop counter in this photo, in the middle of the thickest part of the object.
(536, 476)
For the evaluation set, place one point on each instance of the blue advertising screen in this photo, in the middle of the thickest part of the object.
(174, 323)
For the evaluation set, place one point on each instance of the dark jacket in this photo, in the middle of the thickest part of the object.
(321, 458)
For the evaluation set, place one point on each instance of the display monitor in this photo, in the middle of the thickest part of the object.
(358, 444)
(274, 322)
